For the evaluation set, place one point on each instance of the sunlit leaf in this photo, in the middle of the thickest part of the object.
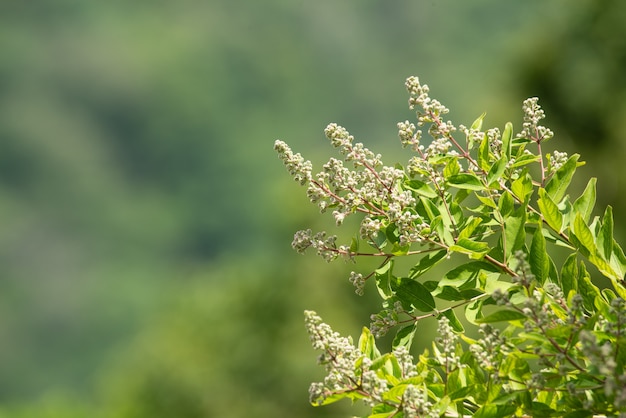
(550, 211)
(502, 315)
(426, 263)
(507, 136)
(539, 259)
(496, 171)
(558, 184)
(472, 248)
(522, 187)
(404, 336)
(465, 181)
(421, 188)
(585, 203)
(415, 294)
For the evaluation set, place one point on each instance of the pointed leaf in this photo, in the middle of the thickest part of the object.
(605, 235)
(465, 181)
(584, 235)
(496, 171)
(550, 211)
(456, 325)
(522, 188)
(539, 259)
(404, 337)
(502, 315)
(585, 203)
(474, 249)
(467, 276)
(506, 204)
(558, 184)
(416, 294)
(420, 188)
(384, 278)
(452, 168)
(507, 136)
(426, 263)
(514, 234)
(569, 275)
(483, 153)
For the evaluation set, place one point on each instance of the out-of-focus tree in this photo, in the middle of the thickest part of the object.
(576, 64)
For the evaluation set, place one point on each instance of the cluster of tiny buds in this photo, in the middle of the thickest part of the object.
(524, 275)
(295, 163)
(339, 357)
(489, 349)
(447, 342)
(419, 97)
(325, 245)
(386, 319)
(358, 281)
(405, 361)
(409, 135)
(415, 403)
(531, 129)
(557, 159)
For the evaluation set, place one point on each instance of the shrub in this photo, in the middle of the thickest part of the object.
(491, 208)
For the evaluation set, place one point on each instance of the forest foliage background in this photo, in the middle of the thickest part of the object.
(145, 265)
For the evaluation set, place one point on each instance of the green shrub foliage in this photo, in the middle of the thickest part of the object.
(490, 207)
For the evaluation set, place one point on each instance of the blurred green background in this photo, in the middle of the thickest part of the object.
(145, 260)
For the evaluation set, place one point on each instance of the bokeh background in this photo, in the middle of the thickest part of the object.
(145, 260)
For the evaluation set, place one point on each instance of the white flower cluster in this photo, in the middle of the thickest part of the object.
(489, 349)
(405, 360)
(341, 360)
(557, 159)
(295, 163)
(431, 108)
(325, 245)
(415, 403)
(386, 319)
(447, 342)
(533, 113)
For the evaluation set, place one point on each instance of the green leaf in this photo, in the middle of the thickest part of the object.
(404, 337)
(473, 311)
(415, 294)
(470, 226)
(587, 290)
(473, 249)
(483, 153)
(452, 168)
(477, 125)
(501, 316)
(467, 276)
(507, 136)
(421, 188)
(539, 259)
(550, 211)
(506, 204)
(525, 159)
(569, 275)
(496, 171)
(384, 278)
(605, 235)
(354, 245)
(587, 200)
(367, 344)
(558, 184)
(426, 263)
(465, 181)
(584, 235)
(514, 234)
(454, 321)
(522, 188)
